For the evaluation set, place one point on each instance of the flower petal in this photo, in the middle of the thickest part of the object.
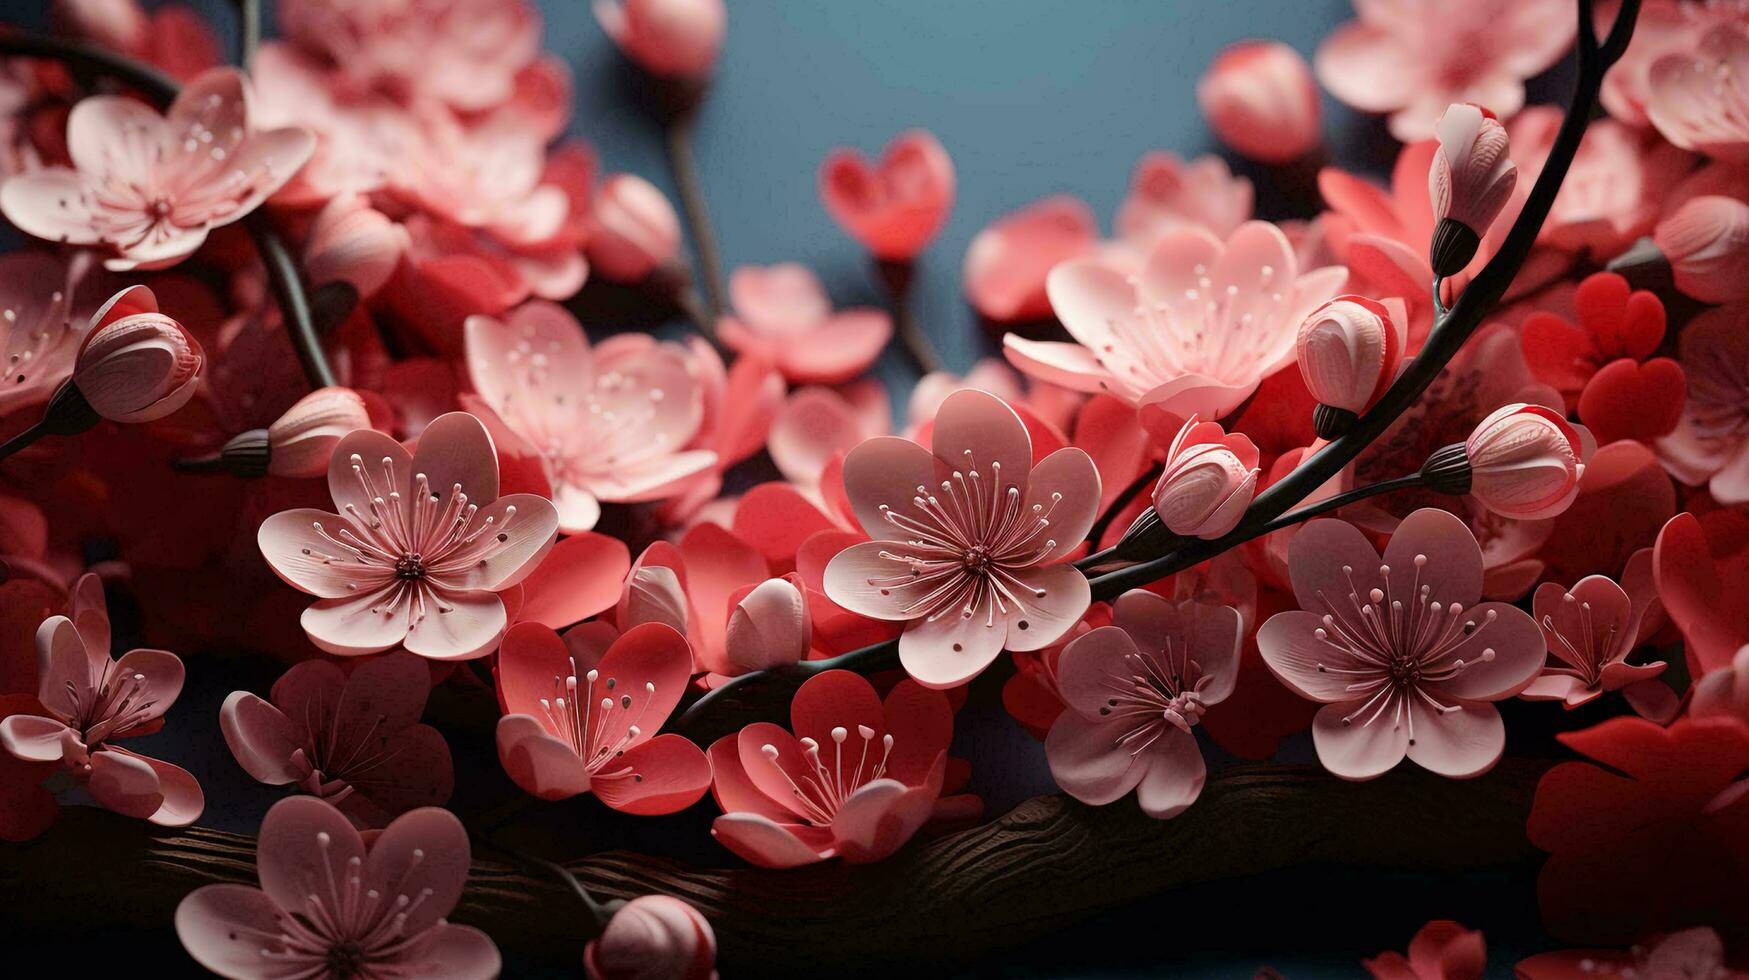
(666, 774)
(1458, 744)
(1359, 750)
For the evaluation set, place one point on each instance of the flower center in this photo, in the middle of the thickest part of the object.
(159, 208)
(821, 789)
(345, 960)
(1397, 653)
(598, 729)
(410, 567)
(977, 557)
(1155, 692)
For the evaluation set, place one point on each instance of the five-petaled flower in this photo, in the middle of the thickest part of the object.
(90, 702)
(577, 723)
(149, 187)
(967, 539)
(421, 548)
(354, 739)
(611, 424)
(1398, 649)
(856, 780)
(1194, 333)
(1134, 690)
(332, 905)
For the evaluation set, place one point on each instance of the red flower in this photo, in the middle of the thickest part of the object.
(1657, 840)
(1599, 364)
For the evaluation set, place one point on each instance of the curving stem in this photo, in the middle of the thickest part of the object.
(1449, 333)
(698, 217)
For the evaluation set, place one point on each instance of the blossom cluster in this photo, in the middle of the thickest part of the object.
(606, 534)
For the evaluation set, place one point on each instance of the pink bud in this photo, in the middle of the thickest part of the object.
(1470, 180)
(1209, 480)
(137, 364)
(672, 38)
(1526, 461)
(1349, 350)
(771, 626)
(1706, 242)
(653, 937)
(653, 594)
(304, 437)
(120, 25)
(351, 241)
(633, 229)
(1260, 99)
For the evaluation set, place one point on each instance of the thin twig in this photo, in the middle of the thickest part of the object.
(698, 218)
(248, 33)
(896, 276)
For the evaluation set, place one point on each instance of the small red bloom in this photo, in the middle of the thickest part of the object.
(1653, 837)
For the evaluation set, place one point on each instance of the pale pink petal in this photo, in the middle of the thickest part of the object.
(1357, 751)
(222, 927)
(878, 819)
(976, 431)
(33, 738)
(759, 840)
(262, 739)
(1321, 551)
(1293, 652)
(302, 841)
(1173, 777)
(50, 205)
(523, 540)
(470, 627)
(886, 472)
(1459, 744)
(1366, 67)
(347, 480)
(182, 800)
(1517, 656)
(1070, 365)
(838, 349)
(424, 853)
(300, 546)
(1059, 597)
(125, 783)
(1088, 761)
(354, 626)
(953, 649)
(456, 952)
(455, 449)
(1065, 490)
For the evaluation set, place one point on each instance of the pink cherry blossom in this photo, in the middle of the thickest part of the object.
(695, 587)
(1615, 188)
(990, 374)
(1711, 443)
(1195, 333)
(968, 540)
(39, 333)
(1412, 58)
(608, 424)
(148, 187)
(817, 424)
(353, 739)
(1398, 650)
(1259, 98)
(1664, 27)
(92, 702)
(1591, 629)
(856, 780)
(675, 38)
(1207, 480)
(653, 937)
(784, 316)
(332, 905)
(894, 208)
(1695, 95)
(405, 562)
(573, 726)
(1167, 192)
(1006, 264)
(1134, 690)
(465, 53)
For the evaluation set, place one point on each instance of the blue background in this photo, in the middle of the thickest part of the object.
(1030, 98)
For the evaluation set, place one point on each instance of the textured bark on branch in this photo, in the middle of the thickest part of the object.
(1048, 862)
